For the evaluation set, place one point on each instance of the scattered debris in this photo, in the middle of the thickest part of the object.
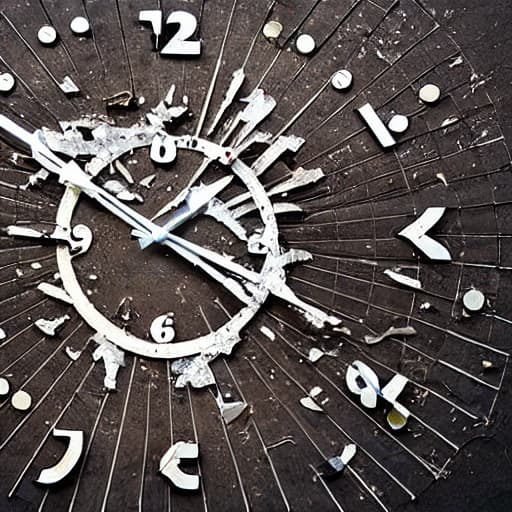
(69, 87)
(73, 354)
(147, 182)
(315, 354)
(487, 365)
(21, 400)
(230, 411)
(268, 332)
(113, 359)
(51, 327)
(272, 29)
(125, 309)
(377, 127)
(416, 233)
(56, 292)
(404, 280)
(124, 172)
(335, 465)
(68, 461)
(170, 462)
(456, 62)
(392, 331)
(309, 402)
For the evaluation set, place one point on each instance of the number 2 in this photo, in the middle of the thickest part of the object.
(179, 44)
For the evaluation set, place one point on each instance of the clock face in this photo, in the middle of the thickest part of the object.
(251, 255)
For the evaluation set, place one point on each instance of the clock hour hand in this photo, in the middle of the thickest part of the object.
(71, 173)
(196, 199)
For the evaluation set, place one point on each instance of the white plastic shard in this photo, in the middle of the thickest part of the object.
(259, 106)
(272, 29)
(147, 182)
(268, 332)
(403, 279)
(234, 87)
(392, 331)
(21, 400)
(394, 387)
(68, 461)
(170, 465)
(124, 172)
(74, 355)
(315, 354)
(230, 411)
(154, 17)
(3, 334)
(283, 144)
(55, 292)
(377, 127)
(51, 327)
(309, 402)
(416, 233)
(67, 86)
(363, 381)
(397, 417)
(221, 213)
(113, 359)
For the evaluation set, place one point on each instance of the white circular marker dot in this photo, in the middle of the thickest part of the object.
(21, 400)
(80, 25)
(474, 300)
(430, 93)
(272, 30)
(398, 123)
(342, 80)
(4, 386)
(6, 82)
(305, 44)
(47, 34)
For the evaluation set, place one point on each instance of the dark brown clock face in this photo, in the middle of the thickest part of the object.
(252, 255)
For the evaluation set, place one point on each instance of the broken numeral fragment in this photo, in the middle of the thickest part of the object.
(377, 127)
(334, 466)
(68, 461)
(416, 233)
(180, 43)
(170, 465)
(363, 381)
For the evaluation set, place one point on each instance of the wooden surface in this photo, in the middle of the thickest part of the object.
(264, 461)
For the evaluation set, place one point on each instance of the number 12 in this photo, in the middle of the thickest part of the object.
(180, 43)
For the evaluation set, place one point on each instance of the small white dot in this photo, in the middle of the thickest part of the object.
(305, 44)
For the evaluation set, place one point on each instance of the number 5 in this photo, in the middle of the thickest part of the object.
(179, 44)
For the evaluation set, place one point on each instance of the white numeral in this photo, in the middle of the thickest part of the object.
(179, 44)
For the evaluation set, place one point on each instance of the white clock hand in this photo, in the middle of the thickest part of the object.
(71, 173)
(197, 199)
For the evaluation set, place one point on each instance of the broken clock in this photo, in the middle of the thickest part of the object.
(250, 254)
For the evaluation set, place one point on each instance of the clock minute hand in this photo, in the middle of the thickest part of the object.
(71, 173)
(196, 199)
